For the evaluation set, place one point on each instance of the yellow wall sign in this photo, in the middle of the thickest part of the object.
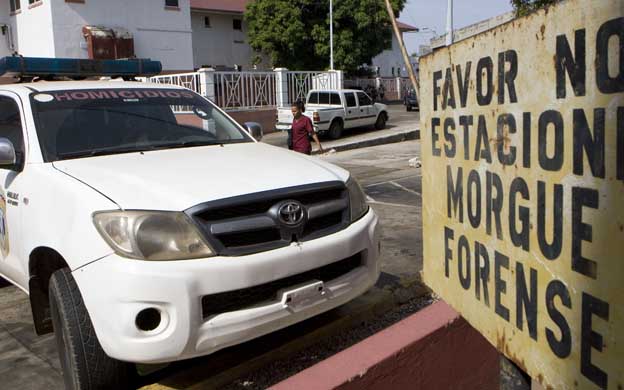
(523, 189)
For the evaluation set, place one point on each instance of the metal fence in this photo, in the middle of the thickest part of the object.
(360, 83)
(393, 88)
(185, 80)
(252, 90)
(300, 83)
(245, 90)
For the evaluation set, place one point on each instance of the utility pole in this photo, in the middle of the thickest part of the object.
(408, 64)
(449, 23)
(331, 35)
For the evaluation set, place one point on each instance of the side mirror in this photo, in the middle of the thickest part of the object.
(7, 154)
(255, 129)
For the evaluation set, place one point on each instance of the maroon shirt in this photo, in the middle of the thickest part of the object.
(300, 129)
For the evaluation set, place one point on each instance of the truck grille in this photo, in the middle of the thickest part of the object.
(252, 296)
(255, 223)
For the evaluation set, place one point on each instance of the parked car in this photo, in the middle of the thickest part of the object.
(335, 110)
(147, 226)
(409, 100)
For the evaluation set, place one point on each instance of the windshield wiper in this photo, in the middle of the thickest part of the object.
(108, 151)
(172, 145)
(102, 152)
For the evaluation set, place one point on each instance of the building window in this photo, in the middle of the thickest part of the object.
(34, 3)
(207, 21)
(172, 3)
(237, 24)
(15, 5)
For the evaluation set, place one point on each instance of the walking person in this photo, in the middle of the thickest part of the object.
(302, 130)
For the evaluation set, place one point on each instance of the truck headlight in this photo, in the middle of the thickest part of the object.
(357, 199)
(151, 235)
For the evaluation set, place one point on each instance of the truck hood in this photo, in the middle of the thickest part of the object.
(176, 179)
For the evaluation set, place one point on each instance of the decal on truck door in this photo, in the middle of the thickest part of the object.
(4, 234)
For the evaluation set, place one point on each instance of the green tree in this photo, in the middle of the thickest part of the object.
(295, 33)
(524, 7)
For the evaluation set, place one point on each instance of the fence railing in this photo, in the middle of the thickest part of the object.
(245, 90)
(253, 90)
(300, 83)
(185, 80)
(360, 83)
(392, 88)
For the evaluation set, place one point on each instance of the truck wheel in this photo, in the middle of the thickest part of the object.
(84, 363)
(381, 121)
(335, 130)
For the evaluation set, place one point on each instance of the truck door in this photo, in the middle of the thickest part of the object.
(367, 112)
(11, 193)
(352, 111)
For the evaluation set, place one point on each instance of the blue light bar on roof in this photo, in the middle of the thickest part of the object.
(77, 68)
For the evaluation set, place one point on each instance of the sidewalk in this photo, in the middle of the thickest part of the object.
(356, 138)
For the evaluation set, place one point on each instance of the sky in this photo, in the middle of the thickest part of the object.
(432, 14)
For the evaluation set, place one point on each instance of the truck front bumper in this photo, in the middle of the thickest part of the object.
(116, 289)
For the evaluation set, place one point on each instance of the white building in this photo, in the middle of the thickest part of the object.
(159, 29)
(390, 62)
(220, 35)
(182, 34)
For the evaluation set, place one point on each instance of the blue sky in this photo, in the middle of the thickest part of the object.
(432, 14)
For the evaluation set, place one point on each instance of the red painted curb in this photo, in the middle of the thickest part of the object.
(432, 349)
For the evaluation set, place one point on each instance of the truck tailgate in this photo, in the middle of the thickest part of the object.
(284, 119)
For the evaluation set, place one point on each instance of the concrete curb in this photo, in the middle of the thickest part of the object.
(374, 303)
(388, 139)
(431, 349)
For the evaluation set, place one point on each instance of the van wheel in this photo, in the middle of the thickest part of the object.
(381, 121)
(409, 108)
(84, 363)
(335, 130)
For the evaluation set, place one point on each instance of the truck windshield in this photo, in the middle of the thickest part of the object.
(85, 123)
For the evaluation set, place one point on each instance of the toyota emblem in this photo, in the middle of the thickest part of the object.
(291, 213)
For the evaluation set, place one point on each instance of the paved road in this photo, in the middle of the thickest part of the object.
(393, 188)
(394, 191)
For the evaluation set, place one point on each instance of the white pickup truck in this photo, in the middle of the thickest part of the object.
(332, 111)
(147, 226)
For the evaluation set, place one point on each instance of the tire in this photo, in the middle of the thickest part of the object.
(409, 108)
(380, 124)
(84, 363)
(335, 129)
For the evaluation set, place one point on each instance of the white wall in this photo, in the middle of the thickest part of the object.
(220, 45)
(159, 33)
(391, 58)
(32, 29)
(5, 19)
